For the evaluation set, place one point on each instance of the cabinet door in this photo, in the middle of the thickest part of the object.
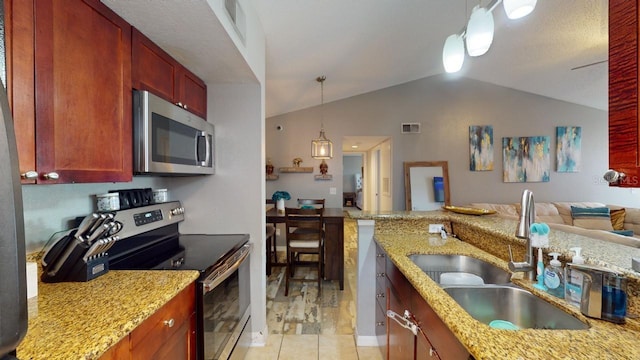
(424, 349)
(152, 68)
(192, 92)
(623, 91)
(167, 334)
(21, 81)
(83, 92)
(400, 341)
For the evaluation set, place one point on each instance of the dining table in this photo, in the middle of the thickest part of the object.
(333, 219)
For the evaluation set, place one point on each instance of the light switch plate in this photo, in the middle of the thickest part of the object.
(435, 228)
(332, 190)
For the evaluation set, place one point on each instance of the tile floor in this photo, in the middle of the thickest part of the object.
(304, 325)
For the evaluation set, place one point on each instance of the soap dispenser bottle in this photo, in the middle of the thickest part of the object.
(573, 279)
(554, 277)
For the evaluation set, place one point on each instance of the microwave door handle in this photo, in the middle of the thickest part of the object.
(207, 158)
(201, 134)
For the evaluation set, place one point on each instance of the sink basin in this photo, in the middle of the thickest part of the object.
(435, 266)
(520, 307)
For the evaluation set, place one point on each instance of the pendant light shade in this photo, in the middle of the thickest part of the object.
(516, 9)
(453, 53)
(479, 31)
(321, 148)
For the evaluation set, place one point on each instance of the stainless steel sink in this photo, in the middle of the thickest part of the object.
(520, 307)
(435, 265)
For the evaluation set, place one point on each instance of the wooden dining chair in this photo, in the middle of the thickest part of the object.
(316, 203)
(272, 256)
(304, 236)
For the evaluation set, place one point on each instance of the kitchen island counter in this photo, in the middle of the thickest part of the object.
(82, 320)
(404, 233)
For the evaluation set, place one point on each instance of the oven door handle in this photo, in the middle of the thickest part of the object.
(226, 269)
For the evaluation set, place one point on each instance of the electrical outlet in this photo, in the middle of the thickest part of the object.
(435, 228)
(277, 232)
(332, 190)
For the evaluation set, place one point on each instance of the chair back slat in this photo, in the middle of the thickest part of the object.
(303, 224)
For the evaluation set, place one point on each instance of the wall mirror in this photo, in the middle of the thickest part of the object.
(426, 185)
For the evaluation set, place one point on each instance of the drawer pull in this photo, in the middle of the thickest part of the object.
(170, 322)
(380, 295)
(380, 274)
(380, 255)
(380, 323)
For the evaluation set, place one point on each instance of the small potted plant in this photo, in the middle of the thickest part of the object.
(279, 197)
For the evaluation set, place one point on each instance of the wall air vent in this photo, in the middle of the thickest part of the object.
(410, 128)
(237, 17)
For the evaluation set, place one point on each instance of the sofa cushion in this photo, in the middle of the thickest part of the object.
(617, 218)
(592, 218)
(564, 208)
(545, 212)
(632, 220)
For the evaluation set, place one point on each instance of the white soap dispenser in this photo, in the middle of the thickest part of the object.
(573, 278)
(554, 277)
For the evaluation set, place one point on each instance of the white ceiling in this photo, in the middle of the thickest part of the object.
(366, 45)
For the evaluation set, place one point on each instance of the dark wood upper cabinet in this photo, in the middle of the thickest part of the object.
(624, 128)
(70, 83)
(156, 71)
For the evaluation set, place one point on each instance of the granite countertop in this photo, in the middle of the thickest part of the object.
(603, 340)
(82, 320)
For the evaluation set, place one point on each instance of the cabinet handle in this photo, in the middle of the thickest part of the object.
(169, 322)
(380, 295)
(185, 106)
(380, 274)
(380, 255)
(380, 323)
(29, 175)
(431, 352)
(51, 176)
(179, 104)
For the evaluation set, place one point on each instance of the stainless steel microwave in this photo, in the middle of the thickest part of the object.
(169, 140)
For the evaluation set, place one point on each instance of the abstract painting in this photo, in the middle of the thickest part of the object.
(481, 148)
(568, 148)
(526, 159)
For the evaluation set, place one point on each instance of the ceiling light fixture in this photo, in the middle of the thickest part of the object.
(321, 148)
(516, 9)
(479, 31)
(453, 53)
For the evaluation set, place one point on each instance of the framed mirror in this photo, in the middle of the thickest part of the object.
(426, 185)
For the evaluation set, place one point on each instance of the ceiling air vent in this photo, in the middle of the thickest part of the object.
(410, 128)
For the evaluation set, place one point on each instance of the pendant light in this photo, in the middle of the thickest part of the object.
(479, 31)
(516, 9)
(321, 148)
(453, 53)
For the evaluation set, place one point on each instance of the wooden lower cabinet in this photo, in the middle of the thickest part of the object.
(168, 334)
(434, 340)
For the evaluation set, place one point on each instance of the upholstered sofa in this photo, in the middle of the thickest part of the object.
(624, 221)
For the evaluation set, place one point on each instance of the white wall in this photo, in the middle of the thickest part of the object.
(352, 165)
(446, 107)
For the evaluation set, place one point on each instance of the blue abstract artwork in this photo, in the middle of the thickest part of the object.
(568, 148)
(526, 159)
(481, 148)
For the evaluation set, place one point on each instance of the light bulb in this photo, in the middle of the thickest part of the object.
(516, 9)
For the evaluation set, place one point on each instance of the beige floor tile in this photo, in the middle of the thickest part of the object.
(270, 351)
(298, 347)
(369, 353)
(331, 347)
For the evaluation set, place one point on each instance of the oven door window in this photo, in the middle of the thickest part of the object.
(222, 314)
(175, 143)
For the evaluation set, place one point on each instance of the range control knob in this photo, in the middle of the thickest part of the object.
(177, 211)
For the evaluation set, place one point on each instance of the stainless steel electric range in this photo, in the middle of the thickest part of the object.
(149, 239)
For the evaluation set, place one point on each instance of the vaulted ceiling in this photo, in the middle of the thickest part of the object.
(366, 45)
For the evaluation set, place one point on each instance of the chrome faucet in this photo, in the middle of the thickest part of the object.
(527, 217)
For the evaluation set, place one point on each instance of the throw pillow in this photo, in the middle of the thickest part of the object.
(617, 219)
(623, 232)
(592, 218)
